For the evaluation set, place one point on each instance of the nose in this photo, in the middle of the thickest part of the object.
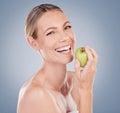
(64, 36)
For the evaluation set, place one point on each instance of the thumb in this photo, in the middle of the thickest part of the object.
(77, 67)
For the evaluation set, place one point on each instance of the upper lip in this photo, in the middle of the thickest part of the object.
(63, 48)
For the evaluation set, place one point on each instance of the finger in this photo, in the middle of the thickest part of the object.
(91, 50)
(77, 67)
(92, 66)
(90, 57)
(94, 54)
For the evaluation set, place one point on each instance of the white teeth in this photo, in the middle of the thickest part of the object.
(63, 48)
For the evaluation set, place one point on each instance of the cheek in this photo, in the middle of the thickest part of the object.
(46, 43)
(74, 41)
(73, 38)
(71, 34)
(48, 47)
(49, 43)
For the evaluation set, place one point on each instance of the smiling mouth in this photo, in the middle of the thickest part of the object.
(64, 49)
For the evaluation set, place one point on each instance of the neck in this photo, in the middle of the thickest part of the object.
(55, 75)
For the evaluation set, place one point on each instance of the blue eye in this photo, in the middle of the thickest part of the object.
(52, 32)
(67, 27)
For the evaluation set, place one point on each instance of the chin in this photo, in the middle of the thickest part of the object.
(66, 61)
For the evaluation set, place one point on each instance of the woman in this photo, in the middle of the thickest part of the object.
(53, 89)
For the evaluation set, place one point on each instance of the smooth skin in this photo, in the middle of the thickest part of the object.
(52, 89)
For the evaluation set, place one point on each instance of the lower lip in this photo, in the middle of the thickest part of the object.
(65, 52)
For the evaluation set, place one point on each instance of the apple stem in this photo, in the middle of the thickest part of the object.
(83, 49)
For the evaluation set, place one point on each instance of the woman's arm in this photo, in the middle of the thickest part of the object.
(83, 83)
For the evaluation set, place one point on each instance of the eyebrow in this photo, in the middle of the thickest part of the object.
(56, 27)
(66, 23)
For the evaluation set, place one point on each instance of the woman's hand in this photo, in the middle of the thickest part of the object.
(85, 77)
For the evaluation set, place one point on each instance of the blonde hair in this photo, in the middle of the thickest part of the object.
(35, 13)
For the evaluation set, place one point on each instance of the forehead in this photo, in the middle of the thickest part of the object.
(51, 19)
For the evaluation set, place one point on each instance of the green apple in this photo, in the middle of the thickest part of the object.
(82, 56)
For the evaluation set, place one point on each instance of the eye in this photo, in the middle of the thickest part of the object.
(50, 33)
(68, 27)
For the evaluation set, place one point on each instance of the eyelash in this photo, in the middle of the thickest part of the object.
(52, 32)
(68, 27)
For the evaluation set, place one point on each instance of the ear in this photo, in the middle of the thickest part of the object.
(33, 43)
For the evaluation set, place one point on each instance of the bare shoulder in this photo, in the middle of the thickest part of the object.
(31, 90)
(34, 98)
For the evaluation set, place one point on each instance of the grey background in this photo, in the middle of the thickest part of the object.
(96, 23)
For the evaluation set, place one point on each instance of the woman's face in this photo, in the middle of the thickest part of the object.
(55, 37)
